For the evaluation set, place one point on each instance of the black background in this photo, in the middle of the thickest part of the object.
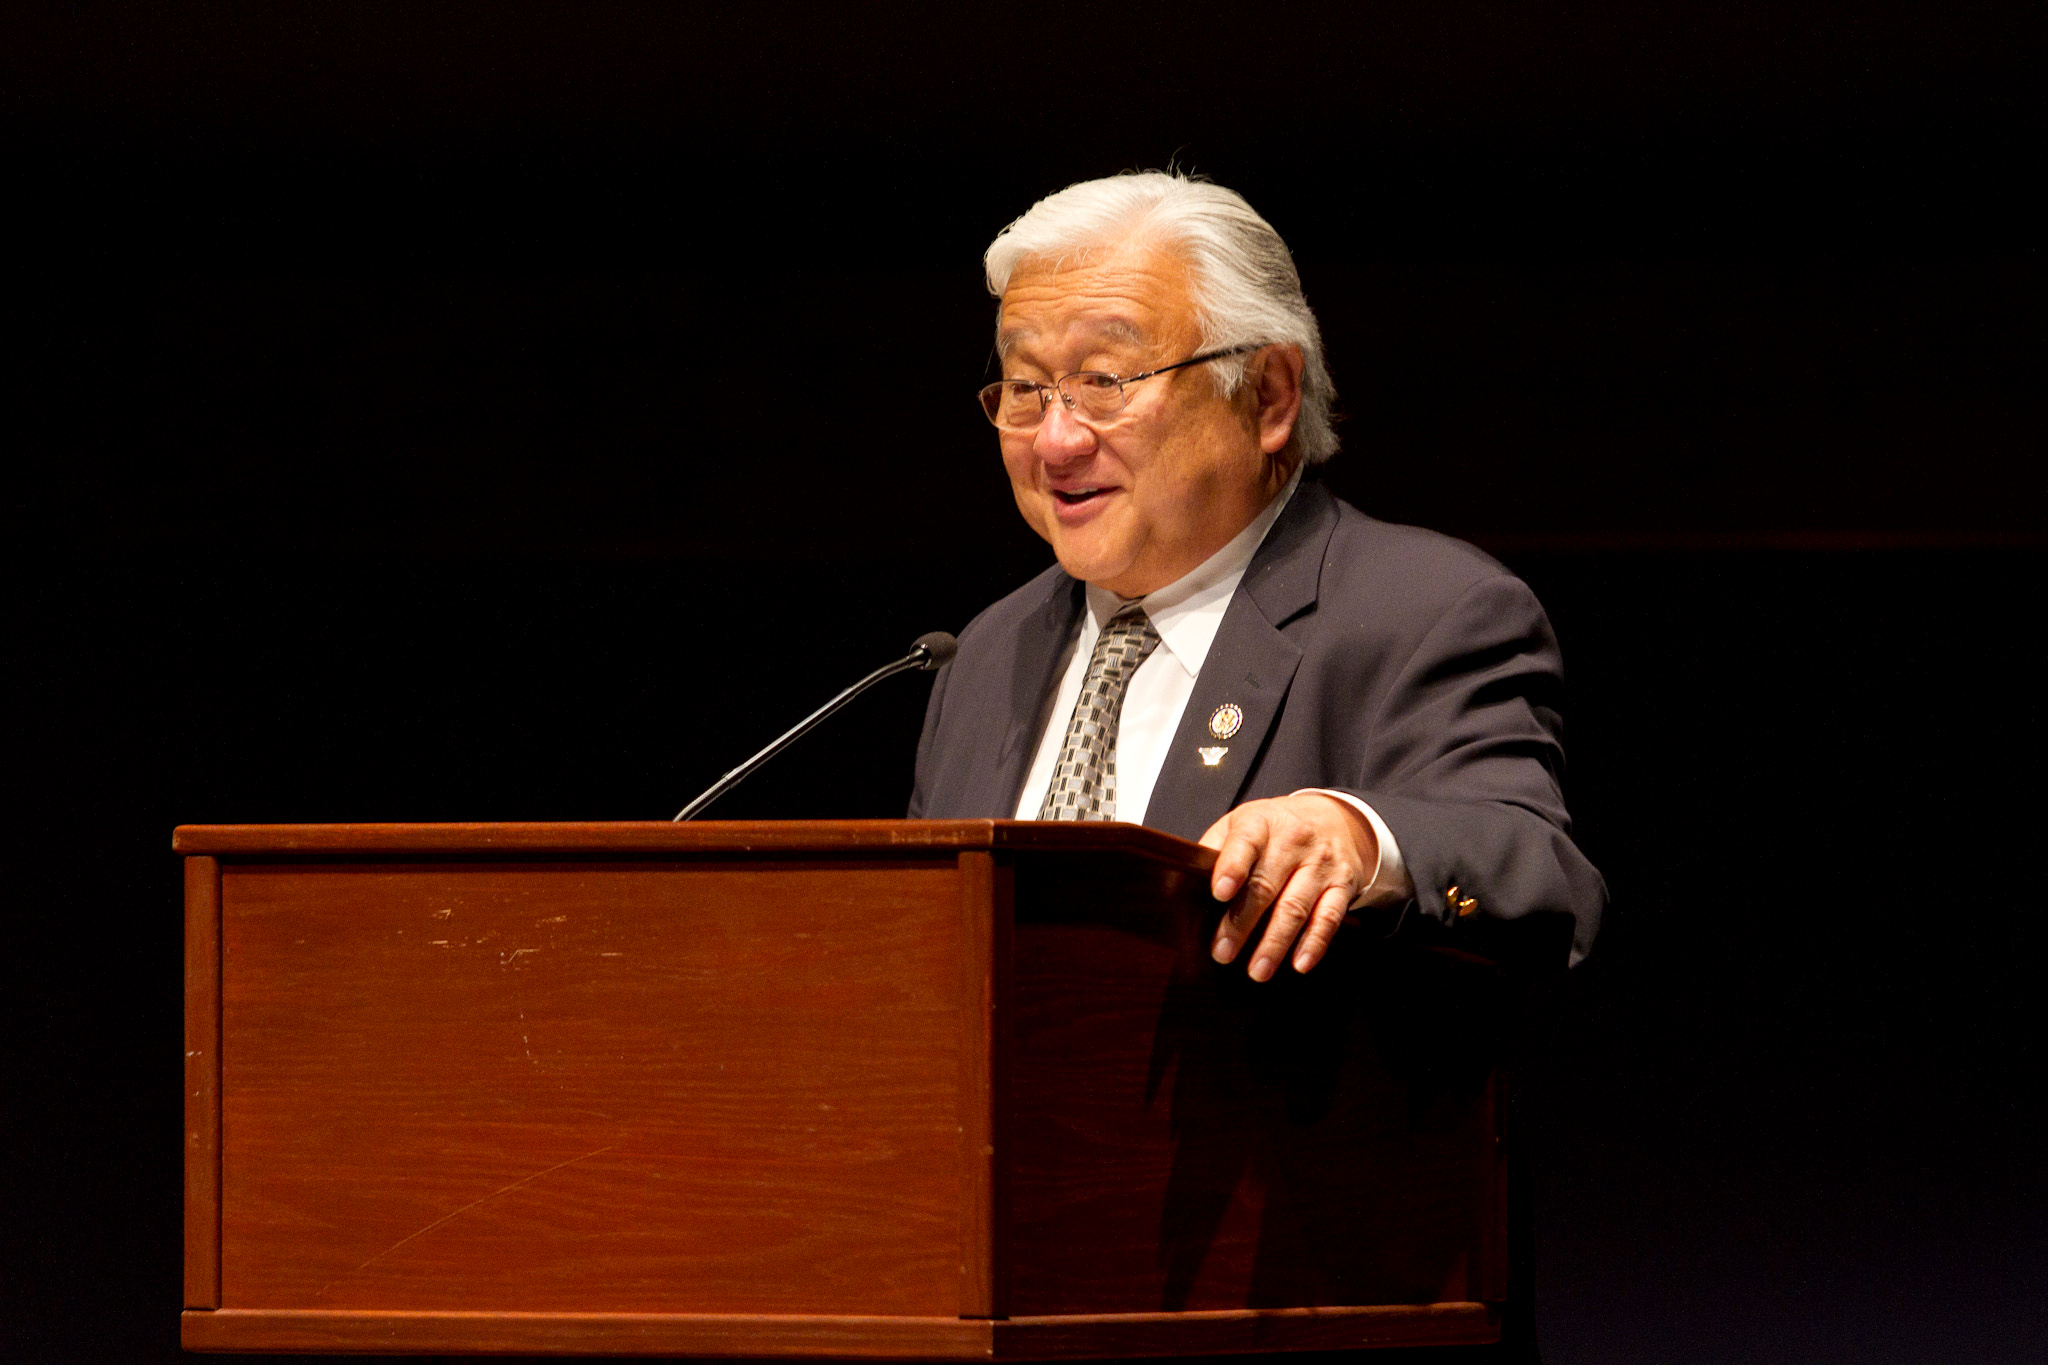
(513, 411)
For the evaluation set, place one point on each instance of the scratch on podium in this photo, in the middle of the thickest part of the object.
(524, 1180)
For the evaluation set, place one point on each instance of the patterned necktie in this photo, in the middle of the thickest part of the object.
(1084, 780)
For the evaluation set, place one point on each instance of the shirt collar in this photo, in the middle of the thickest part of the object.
(1188, 612)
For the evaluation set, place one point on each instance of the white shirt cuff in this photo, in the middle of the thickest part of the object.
(1389, 883)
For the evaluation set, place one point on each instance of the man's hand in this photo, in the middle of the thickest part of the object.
(1306, 856)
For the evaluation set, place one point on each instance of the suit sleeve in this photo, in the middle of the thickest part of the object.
(1471, 783)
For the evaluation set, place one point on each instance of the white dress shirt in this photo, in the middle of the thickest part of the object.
(1187, 614)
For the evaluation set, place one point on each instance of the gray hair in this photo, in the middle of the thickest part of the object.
(1246, 288)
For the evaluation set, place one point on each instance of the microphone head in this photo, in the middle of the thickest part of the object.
(938, 648)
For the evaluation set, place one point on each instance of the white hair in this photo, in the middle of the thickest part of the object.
(1246, 288)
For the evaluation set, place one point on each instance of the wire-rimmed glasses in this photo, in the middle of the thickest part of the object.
(1091, 395)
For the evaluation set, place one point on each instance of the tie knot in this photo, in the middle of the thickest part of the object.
(1131, 620)
(1127, 641)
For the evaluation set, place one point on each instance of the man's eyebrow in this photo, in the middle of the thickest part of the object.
(1119, 330)
(1115, 329)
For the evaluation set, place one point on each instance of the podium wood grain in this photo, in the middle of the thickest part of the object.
(922, 1089)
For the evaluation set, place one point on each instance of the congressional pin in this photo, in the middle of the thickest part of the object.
(1212, 757)
(1223, 723)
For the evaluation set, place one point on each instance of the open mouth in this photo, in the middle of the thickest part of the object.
(1074, 497)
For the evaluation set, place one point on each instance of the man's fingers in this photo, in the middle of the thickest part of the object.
(1282, 855)
(1305, 892)
(1329, 915)
(1240, 839)
(1241, 873)
(1258, 891)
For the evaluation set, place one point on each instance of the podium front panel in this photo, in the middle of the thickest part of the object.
(602, 1087)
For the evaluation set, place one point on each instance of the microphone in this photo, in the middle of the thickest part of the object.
(930, 652)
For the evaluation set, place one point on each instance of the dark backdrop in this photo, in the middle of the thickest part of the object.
(446, 412)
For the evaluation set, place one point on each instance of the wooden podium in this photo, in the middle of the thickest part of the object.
(910, 1089)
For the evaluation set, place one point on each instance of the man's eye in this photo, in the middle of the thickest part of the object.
(1020, 399)
(1093, 382)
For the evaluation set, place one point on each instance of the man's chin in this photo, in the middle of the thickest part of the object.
(1089, 567)
(1113, 572)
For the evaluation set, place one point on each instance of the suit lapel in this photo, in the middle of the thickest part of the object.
(1245, 677)
(1039, 643)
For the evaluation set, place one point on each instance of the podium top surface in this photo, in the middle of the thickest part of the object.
(657, 837)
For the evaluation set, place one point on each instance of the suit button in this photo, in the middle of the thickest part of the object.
(1459, 907)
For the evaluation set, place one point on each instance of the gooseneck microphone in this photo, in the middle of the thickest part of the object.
(929, 653)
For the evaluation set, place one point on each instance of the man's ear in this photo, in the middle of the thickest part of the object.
(1274, 377)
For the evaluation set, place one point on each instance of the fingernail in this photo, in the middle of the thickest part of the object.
(1302, 962)
(1225, 889)
(1223, 950)
(1262, 968)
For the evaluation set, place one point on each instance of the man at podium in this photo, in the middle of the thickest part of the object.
(853, 1089)
(1353, 713)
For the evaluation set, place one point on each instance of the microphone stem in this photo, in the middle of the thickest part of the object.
(915, 659)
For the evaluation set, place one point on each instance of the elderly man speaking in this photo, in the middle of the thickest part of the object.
(1352, 713)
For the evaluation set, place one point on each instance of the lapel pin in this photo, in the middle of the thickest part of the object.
(1212, 757)
(1223, 723)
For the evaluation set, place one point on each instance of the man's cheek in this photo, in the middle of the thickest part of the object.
(1034, 507)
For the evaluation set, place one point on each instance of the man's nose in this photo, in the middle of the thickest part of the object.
(1062, 436)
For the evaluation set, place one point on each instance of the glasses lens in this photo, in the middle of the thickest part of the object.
(1013, 403)
(1094, 396)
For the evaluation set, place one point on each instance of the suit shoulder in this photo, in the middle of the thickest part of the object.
(1377, 557)
(1003, 616)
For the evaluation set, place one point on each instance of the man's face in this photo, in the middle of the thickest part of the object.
(1134, 503)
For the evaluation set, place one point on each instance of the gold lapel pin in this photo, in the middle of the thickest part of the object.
(1212, 757)
(1224, 721)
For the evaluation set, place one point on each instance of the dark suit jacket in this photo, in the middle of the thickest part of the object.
(1383, 660)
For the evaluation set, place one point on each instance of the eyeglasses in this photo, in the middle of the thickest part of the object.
(1092, 395)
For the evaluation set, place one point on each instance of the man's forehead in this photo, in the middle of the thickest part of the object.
(1126, 295)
